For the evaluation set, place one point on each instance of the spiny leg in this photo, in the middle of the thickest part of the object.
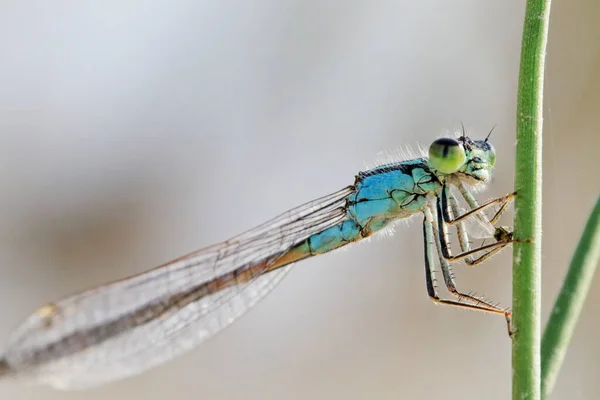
(463, 238)
(447, 271)
(450, 204)
(509, 198)
(443, 239)
(476, 209)
(502, 236)
(430, 226)
(460, 226)
(429, 242)
(444, 265)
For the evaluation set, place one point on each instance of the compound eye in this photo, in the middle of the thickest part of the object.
(491, 155)
(447, 155)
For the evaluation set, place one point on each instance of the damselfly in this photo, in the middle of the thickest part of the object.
(128, 326)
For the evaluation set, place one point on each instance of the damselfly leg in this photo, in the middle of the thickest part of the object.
(448, 205)
(435, 229)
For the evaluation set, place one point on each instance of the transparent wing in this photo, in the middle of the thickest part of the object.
(479, 228)
(128, 326)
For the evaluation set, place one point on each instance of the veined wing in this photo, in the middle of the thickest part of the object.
(128, 326)
(479, 228)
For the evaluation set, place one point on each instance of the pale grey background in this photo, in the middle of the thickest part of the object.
(132, 132)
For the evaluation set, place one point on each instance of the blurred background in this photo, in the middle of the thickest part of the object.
(134, 132)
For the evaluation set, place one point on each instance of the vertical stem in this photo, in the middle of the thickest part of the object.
(528, 206)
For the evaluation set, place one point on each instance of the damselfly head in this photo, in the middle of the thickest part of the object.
(481, 158)
(472, 159)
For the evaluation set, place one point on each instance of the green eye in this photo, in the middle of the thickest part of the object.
(447, 155)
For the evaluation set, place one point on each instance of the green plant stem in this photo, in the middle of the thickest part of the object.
(528, 179)
(570, 300)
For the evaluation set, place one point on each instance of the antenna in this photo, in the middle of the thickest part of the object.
(491, 130)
